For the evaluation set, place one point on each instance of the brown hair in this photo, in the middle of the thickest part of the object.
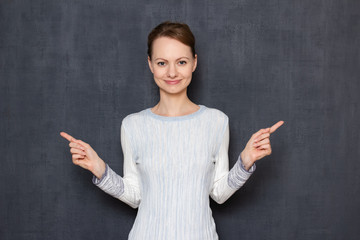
(175, 30)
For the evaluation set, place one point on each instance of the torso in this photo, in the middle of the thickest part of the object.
(175, 160)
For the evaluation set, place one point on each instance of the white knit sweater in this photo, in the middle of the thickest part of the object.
(171, 166)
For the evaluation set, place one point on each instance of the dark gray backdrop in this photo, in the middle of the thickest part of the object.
(80, 67)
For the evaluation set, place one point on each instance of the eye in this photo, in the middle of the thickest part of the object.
(182, 62)
(161, 63)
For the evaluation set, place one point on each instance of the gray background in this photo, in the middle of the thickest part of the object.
(80, 67)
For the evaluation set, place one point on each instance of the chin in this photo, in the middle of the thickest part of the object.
(173, 91)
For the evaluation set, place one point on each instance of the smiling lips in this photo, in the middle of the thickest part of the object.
(172, 82)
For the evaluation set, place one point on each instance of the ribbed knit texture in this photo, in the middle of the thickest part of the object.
(171, 166)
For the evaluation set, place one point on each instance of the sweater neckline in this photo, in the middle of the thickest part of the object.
(177, 118)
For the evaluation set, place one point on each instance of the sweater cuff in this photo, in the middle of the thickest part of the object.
(251, 169)
(110, 182)
(97, 181)
(238, 175)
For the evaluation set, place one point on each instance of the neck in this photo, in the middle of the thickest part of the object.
(172, 105)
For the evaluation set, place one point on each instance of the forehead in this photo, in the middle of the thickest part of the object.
(165, 47)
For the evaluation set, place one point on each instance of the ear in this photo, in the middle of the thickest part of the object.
(150, 65)
(195, 63)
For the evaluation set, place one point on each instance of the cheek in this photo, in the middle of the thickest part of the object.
(159, 72)
(187, 72)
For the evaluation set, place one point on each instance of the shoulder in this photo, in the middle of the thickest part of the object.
(219, 125)
(216, 115)
(133, 119)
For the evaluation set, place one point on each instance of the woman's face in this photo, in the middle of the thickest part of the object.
(172, 65)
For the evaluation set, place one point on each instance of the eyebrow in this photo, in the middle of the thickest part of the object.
(166, 60)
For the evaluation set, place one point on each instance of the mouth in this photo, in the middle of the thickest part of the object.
(172, 82)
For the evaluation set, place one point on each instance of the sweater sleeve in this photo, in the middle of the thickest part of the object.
(127, 188)
(226, 182)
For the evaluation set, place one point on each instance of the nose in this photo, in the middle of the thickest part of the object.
(172, 72)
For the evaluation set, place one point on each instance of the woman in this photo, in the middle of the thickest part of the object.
(176, 153)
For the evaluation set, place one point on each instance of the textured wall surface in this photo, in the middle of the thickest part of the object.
(79, 66)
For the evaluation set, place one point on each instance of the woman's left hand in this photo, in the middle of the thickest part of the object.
(258, 146)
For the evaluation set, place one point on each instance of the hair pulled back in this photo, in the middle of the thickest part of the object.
(174, 30)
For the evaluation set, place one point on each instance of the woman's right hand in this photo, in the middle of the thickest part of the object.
(84, 156)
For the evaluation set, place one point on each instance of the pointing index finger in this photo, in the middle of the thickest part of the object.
(67, 136)
(276, 126)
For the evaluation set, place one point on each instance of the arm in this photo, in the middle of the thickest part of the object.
(226, 182)
(127, 188)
